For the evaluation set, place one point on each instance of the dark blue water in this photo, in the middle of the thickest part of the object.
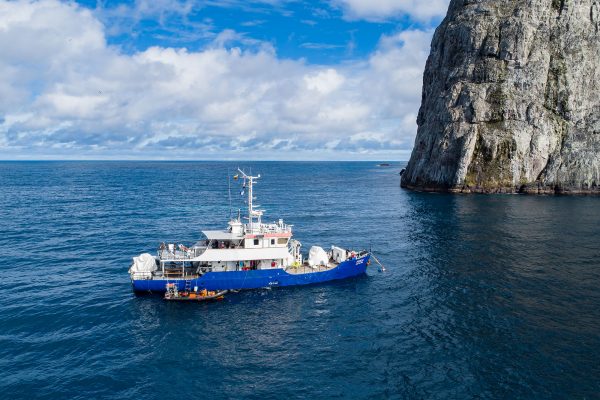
(484, 296)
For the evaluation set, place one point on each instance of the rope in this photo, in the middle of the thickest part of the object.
(378, 262)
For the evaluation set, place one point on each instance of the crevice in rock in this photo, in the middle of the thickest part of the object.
(558, 5)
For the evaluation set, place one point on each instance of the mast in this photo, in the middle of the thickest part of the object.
(252, 213)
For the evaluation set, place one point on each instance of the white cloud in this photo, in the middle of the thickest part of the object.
(422, 10)
(66, 94)
(325, 81)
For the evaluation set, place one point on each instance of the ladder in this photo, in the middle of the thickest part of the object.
(188, 285)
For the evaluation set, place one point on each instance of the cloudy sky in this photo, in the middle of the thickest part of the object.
(213, 79)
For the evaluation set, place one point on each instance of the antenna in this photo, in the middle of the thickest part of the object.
(229, 187)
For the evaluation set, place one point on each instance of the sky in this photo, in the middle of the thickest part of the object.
(201, 80)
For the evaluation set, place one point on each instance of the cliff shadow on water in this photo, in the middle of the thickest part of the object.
(505, 293)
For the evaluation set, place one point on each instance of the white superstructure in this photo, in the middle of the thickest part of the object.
(247, 245)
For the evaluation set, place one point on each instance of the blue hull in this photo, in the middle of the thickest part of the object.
(255, 279)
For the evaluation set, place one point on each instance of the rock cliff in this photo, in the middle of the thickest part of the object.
(511, 99)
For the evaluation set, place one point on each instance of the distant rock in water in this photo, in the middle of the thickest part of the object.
(511, 99)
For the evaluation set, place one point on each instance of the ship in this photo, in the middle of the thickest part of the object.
(248, 254)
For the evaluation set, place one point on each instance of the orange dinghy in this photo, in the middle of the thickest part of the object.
(173, 294)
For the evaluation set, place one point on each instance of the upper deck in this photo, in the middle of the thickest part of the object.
(226, 243)
(278, 229)
(253, 240)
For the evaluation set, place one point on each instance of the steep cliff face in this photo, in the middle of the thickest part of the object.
(511, 99)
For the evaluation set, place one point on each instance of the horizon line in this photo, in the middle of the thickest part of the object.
(189, 160)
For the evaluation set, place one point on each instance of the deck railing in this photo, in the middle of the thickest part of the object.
(179, 254)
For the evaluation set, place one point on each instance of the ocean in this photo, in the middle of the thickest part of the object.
(490, 297)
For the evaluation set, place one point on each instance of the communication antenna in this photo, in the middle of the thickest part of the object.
(229, 187)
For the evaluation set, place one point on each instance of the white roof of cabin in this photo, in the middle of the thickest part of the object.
(221, 235)
(272, 253)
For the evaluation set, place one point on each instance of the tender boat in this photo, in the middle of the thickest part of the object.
(173, 294)
(246, 255)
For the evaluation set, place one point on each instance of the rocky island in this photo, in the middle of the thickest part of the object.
(511, 100)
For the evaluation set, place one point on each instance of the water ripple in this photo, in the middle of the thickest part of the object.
(484, 296)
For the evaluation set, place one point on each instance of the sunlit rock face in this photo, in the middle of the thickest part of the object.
(511, 99)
